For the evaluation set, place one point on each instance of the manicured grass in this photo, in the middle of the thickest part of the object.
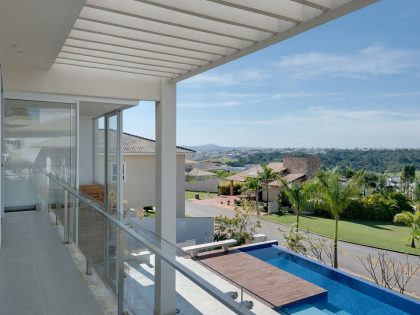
(399, 173)
(203, 195)
(374, 233)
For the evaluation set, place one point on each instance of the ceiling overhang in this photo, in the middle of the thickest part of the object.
(166, 39)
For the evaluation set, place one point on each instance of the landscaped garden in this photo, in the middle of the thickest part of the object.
(380, 234)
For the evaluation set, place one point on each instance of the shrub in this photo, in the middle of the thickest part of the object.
(224, 188)
(240, 227)
(283, 199)
(375, 207)
(402, 202)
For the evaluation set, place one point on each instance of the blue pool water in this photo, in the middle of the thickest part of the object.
(346, 294)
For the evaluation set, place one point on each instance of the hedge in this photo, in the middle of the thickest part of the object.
(375, 207)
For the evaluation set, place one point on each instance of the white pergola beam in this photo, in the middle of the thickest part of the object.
(299, 28)
(117, 62)
(238, 5)
(111, 7)
(135, 23)
(136, 44)
(123, 57)
(150, 42)
(105, 66)
(146, 53)
(322, 5)
(175, 7)
(182, 38)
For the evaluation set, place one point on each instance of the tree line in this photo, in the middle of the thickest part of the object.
(376, 160)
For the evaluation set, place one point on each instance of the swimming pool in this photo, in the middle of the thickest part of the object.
(346, 294)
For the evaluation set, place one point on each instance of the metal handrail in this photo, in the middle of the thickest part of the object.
(236, 307)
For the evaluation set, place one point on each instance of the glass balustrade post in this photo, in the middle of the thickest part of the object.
(66, 218)
(120, 270)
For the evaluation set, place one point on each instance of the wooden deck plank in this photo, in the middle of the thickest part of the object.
(274, 286)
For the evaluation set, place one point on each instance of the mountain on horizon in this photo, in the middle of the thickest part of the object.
(210, 147)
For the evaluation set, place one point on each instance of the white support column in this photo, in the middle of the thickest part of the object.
(165, 295)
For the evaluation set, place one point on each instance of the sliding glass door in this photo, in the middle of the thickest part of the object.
(38, 137)
(113, 189)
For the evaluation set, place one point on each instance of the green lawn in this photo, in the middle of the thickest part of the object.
(374, 233)
(399, 173)
(203, 195)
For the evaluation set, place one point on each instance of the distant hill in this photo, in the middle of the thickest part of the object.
(217, 148)
(210, 148)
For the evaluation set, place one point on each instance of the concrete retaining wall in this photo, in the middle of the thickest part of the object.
(209, 185)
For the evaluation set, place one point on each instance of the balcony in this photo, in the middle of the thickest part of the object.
(38, 274)
(111, 267)
(69, 69)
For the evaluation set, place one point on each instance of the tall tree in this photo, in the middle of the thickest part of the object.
(266, 175)
(370, 180)
(252, 185)
(335, 195)
(408, 175)
(298, 195)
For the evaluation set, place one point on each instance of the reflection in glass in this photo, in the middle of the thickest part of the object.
(39, 137)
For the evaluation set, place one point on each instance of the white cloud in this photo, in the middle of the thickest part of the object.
(243, 78)
(370, 62)
(394, 94)
(199, 104)
(325, 117)
(302, 94)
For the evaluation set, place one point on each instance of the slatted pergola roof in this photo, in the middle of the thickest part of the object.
(179, 39)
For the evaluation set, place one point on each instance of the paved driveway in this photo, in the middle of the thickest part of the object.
(347, 259)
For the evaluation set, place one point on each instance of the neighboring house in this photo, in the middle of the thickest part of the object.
(139, 172)
(293, 169)
(200, 180)
(199, 175)
(190, 164)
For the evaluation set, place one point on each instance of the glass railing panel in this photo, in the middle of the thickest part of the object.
(139, 279)
(126, 256)
(91, 237)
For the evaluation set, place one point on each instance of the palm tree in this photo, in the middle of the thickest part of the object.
(266, 175)
(408, 175)
(251, 185)
(412, 220)
(298, 196)
(335, 195)
(370, 180)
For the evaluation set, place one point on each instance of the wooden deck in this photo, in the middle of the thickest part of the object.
(274, 286)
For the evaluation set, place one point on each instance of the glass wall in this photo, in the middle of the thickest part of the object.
(107, 177)
(39, 137)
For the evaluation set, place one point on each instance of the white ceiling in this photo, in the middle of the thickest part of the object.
(38, 27)
(157, 38)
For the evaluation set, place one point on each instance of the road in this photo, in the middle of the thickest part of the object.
(348, 253)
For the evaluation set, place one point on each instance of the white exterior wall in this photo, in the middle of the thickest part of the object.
(273, 192)
(86, 148)
(198, 230)
(1, 152)
(208, 185)
(139, 188)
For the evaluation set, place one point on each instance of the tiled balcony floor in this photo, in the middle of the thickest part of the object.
(37, 273)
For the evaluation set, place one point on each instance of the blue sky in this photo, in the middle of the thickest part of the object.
(353, 82)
